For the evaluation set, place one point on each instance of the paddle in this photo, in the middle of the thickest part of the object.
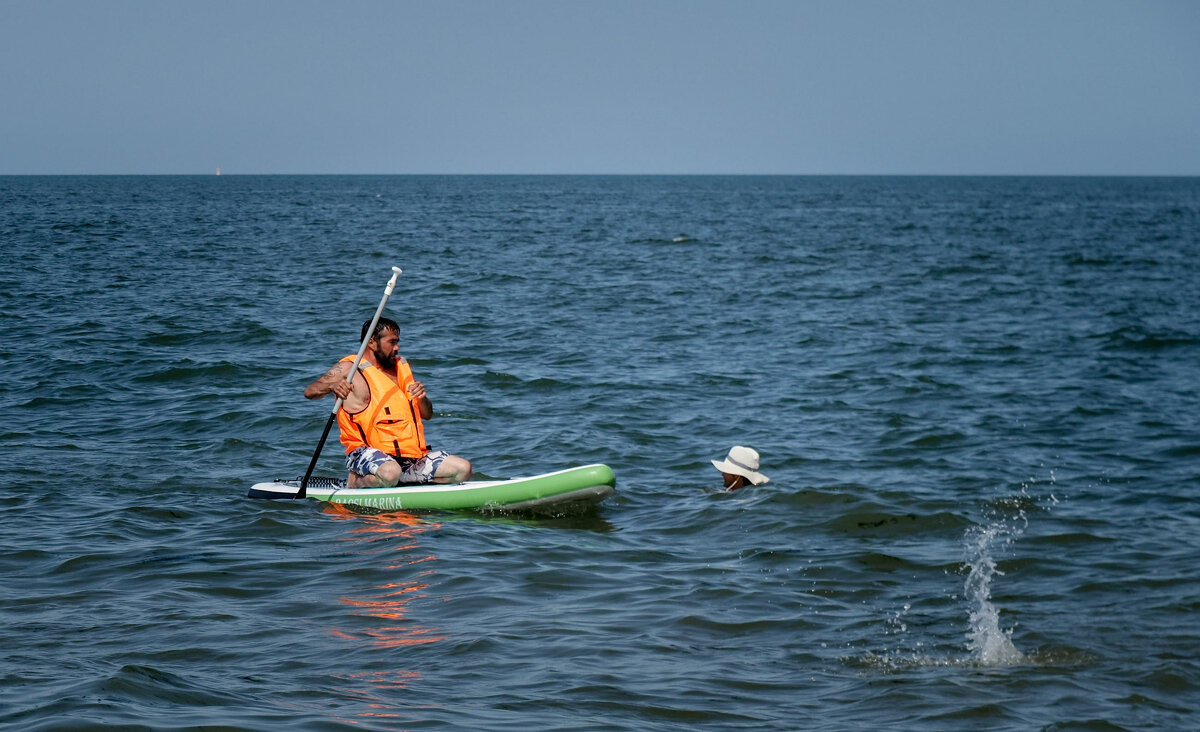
(387, 292)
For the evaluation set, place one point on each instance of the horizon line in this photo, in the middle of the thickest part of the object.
(612, 175)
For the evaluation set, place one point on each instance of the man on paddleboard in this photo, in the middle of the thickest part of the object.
(381, 418)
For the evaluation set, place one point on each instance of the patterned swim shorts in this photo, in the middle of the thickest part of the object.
(367, 460)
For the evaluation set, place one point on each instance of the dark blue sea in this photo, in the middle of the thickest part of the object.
(977, 400)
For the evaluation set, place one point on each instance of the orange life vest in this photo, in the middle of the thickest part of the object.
(392, 420)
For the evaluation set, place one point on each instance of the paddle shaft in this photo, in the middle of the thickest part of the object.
(337, 404)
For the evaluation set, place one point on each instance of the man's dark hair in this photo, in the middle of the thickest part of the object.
(382, 325)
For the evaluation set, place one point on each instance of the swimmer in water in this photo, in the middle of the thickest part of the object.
(740, 467)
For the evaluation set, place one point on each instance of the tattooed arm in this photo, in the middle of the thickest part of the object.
(333, 380)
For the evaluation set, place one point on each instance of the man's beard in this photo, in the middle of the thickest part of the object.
(385, 360)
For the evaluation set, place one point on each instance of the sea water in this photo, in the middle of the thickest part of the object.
(977, 400)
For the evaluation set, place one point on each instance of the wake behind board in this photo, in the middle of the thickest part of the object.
(564, 489)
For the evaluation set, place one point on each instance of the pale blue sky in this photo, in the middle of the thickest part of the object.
(1071, 87)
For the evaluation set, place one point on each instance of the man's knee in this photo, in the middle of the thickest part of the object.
(454, 470)
(389, 473)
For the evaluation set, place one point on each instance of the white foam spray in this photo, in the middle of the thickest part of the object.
(990, 644)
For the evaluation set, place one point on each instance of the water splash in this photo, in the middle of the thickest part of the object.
(990, 644)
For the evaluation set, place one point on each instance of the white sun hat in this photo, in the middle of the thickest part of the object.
(742, 461)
